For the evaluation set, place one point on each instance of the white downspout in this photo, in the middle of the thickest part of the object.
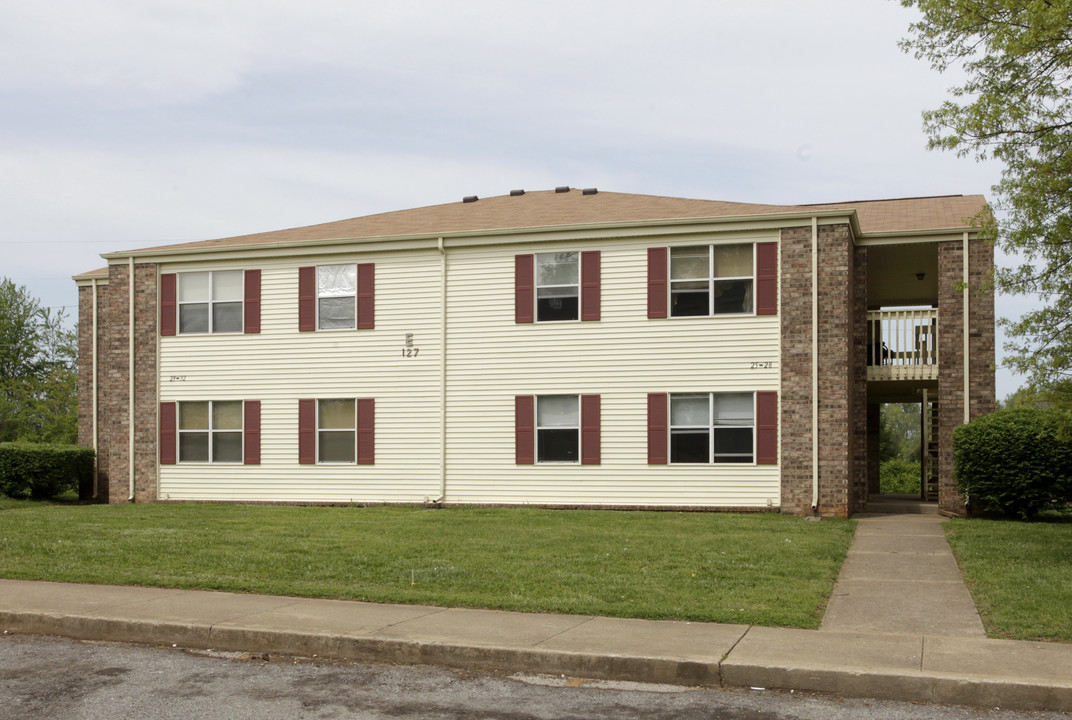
(965, 295)
(130, 388)
(814, 363)
(442, 373)
(93, 385)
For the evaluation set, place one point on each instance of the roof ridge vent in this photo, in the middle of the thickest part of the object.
(517, 193)
(589, 191)
(470, 198)
(562, 189)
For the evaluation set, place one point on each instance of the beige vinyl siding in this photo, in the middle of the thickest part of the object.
(622, 357)
(280, 365)
(491, 359)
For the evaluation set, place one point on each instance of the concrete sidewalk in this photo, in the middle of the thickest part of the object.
(900, 577)
(906, 666)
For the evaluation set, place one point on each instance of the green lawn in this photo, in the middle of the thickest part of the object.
(765, 569)
(1020, 574)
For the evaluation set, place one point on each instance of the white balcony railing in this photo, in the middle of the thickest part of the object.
(902, 344)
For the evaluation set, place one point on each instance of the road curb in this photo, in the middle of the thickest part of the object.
(912, 686)
(367, 649)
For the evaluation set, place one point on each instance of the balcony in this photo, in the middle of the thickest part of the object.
(902, 344)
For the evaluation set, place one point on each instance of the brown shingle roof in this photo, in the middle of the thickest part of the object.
(913, 214)
(99, 273)
(545, 209)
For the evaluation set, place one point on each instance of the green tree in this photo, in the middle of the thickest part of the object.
(38, 370)
(898, 432)
(1015, 105)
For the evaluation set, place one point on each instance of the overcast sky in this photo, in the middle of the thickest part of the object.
(133, 123)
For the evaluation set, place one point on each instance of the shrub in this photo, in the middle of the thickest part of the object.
(32, 470)
(899, 476)
(1015, 462)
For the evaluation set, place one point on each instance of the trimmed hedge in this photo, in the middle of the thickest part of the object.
(38, 471)
(1015, 462)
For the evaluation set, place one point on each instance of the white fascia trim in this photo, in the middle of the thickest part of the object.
(914, 237)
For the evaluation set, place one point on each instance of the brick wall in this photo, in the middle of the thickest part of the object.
(113, 373)
(795, 311)
(842, 386)
(951, 353)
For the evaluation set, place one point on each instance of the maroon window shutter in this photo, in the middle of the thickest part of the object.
(657, 430)
(366, 296)
(657, 282)
(168, 293)
(766, 428)
(525, 429)
(307, 432)
(366, 431)
(590, 291)
(251, 432)
(306, 299)
(251, 311)
(524, 291)
(168, 433)
(590, 422)
(767, 278)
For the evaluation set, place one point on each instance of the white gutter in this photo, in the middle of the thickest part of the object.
(814, 363)
(130, 387)
(967, 378)
(442, 372)
(93, 385)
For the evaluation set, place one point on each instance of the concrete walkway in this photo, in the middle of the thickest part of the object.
(900, 577)
(886, 659)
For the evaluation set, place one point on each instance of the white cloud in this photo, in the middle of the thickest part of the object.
(131, 123)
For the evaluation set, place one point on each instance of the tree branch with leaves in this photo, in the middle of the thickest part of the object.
(1015, 106)
(38, 370)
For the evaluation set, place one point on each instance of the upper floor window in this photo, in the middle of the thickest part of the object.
(210, 302)
(711, 280)
(712, 427)
(337, 297)
(336, 302)
(210, 431)
(557, 286)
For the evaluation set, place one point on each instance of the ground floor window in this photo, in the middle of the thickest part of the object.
(210, 431)
(712, 427)
(336, 427)
(558, 427)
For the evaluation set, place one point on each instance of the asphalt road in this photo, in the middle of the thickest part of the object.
(61, 679)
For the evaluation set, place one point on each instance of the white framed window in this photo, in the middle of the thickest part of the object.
(336, 296)
(712, 280)
(210, 301)
(336, 430)
(712, 427)
(210, 431)
(558, 429)
(557, 286)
